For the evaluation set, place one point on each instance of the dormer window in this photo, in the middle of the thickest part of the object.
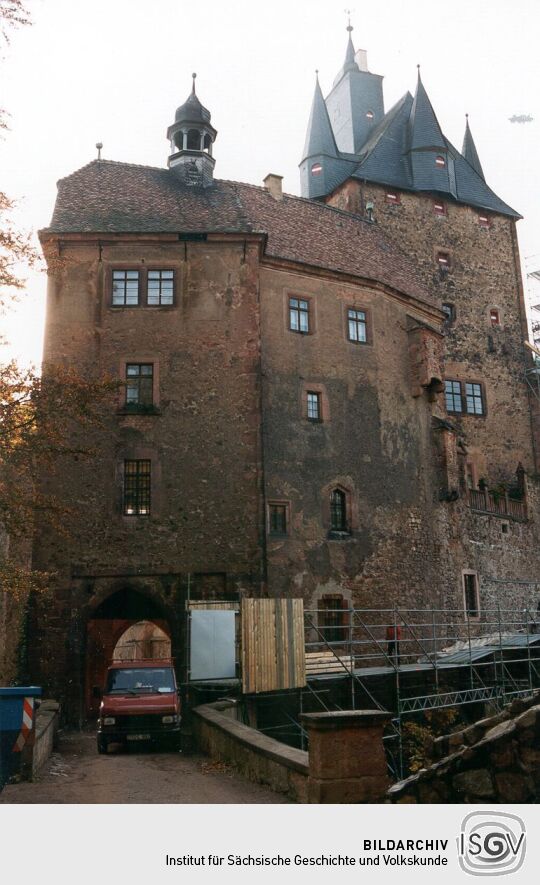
(439, 208)
(316, 169)
(440, 161)
(393, 198)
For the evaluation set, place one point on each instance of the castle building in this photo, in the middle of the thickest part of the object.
(321, 396)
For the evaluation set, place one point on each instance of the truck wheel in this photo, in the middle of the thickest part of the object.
(102, 745)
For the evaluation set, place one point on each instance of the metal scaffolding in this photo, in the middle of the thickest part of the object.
(408, 661)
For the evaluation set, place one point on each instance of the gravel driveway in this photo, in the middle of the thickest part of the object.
(77, 774)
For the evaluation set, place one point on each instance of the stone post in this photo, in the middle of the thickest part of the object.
(347, 762)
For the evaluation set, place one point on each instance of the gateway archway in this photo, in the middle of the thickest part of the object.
(126, 621)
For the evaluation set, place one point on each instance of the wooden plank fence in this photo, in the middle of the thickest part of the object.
(273, 645)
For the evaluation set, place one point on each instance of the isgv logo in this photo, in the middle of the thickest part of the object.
(491, 843)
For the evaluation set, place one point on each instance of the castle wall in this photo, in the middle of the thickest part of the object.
(484, 274)
(374, 442)
(202, 438)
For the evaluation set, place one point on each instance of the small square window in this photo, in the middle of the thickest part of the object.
(278, 519)
(137, 488)
(474, 398)
(139, 385)
(357, 325)
(160, 288)
(299, 315)
(314, 412)
(484, 221)
(125, 288)
(439, 208)
(440, 162)
(452, 392)
(470, 591)
(443, 260)
(494, 317)
(393, 197)
(369, 115)
(316, 169)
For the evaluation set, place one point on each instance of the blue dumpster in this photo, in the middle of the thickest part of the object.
(17, 719)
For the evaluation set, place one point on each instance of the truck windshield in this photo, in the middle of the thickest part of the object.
(157, 679)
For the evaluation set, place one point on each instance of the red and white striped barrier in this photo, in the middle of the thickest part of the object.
(26, 729)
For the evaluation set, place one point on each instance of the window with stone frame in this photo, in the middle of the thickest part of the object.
(278, 518)
(338, 511)
(333, 618)
(357, 325)
(464, 397)
(314, 408)
(299, 320)
(470, 594)
(474, 398)
(160, 288)
(452, 392)
(137, 487)
(139, 386)
(125, 288)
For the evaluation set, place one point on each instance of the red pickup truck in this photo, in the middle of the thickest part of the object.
(140, 702)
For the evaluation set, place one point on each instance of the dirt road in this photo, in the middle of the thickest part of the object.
(77, 774)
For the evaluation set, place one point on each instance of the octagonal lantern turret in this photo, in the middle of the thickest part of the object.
(191, 137)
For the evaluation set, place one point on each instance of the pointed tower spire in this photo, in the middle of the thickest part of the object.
(350, 60)
(424, 129)
(469, 150)
(320, 137)
(431, 163)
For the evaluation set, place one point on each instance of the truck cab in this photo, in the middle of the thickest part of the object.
(140, 703)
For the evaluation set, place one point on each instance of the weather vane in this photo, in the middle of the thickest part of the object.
(348, 13)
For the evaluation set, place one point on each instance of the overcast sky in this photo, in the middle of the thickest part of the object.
(115, 70)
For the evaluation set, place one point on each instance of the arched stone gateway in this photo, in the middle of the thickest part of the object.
(110, 619)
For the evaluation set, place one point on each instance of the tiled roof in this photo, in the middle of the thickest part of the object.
(106, 196)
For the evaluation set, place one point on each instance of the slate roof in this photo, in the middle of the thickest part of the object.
(385, 159)
(470, 153)
(320, 136)
(107, 196)
(401, 151)
(424, 129)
